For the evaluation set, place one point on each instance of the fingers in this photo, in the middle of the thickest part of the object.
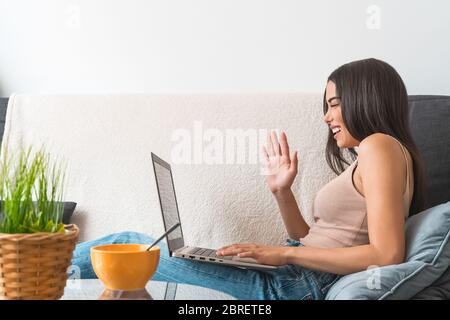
(247, 254)
(235, 249)
(230, 246)
(270, 150)
(275, 143)
(275, 147)
(284, 144)
(294, 162)
(230, 252)
(265, 154)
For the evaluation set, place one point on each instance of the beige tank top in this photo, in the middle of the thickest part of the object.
(340, 212)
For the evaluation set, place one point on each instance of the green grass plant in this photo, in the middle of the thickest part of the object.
(31, 191)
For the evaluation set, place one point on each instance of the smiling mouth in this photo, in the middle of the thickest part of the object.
(336, 130)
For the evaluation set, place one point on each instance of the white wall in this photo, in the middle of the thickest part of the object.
(216, 46)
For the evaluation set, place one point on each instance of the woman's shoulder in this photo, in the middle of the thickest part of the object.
(380, 148)
(379, 143)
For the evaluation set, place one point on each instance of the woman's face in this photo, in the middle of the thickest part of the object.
(333, 119)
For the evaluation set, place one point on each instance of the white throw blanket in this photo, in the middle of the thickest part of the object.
(107, 142)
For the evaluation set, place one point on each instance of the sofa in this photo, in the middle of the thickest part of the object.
(107, 141)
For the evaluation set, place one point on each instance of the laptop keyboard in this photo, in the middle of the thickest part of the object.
(208, 253)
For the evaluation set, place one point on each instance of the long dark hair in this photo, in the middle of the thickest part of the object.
(374, 99)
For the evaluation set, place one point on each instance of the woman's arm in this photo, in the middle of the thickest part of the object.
(339, 260)
(281, 169)
(383, 170)
(296, 226)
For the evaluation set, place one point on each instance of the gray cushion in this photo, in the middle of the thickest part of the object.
(3, 106)
(429, 121)
(427, 259)
(69, 209)
(439, 290)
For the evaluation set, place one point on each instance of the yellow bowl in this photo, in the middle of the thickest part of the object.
(124, 266)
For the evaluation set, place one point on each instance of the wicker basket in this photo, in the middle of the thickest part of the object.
(34, 266)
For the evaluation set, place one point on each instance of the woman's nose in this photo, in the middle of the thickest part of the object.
(327, 116)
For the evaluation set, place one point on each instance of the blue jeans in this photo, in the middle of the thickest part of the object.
(287, 282)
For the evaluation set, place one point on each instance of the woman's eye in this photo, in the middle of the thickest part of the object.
(334, 105)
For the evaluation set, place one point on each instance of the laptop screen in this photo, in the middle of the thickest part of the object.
(168, 202)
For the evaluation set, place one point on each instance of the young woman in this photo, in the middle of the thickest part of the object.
(359, 216)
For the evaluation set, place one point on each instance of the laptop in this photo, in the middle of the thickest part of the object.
(171, 216)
